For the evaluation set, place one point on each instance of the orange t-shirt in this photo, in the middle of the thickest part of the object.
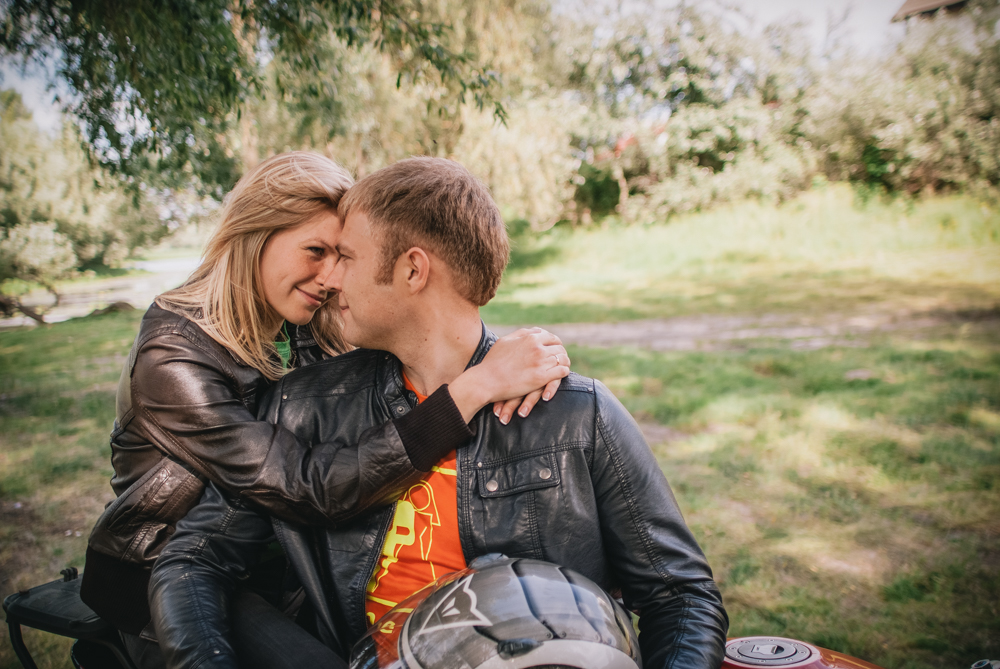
(423, 542)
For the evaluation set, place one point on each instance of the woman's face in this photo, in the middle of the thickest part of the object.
(295, 266)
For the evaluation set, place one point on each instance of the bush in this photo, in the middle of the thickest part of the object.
(926, 118)
(55, 217)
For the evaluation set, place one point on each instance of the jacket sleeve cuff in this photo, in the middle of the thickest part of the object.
(432, 430)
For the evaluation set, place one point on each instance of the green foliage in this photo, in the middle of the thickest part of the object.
(162, 84)
(683, 112)
(925, 118)
(686, 113)
(55, 216)
(638, 116)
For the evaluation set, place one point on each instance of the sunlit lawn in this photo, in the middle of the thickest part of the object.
(816, 254)
(845, 496)
(849, 497)
(57, 404)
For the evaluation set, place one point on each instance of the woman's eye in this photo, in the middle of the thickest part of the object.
(316, 250)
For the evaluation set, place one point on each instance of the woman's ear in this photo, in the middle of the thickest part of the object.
(413, 268)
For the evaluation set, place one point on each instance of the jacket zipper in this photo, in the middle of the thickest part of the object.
(372, 563)
(463, 527)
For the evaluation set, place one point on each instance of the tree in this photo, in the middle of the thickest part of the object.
(927, 118)
(158, 85)
(55, 217)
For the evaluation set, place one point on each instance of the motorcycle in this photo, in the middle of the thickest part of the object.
(56, 608)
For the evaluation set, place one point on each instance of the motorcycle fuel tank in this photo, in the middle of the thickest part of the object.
(779, 652)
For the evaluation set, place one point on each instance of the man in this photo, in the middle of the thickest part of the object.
(422, 247)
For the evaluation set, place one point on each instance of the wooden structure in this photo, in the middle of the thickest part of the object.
(916, 7)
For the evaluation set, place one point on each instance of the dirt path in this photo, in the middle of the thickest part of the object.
(797, 331)
(79, 299)
(705, 332)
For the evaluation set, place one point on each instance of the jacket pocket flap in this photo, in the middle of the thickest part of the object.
(531, 473)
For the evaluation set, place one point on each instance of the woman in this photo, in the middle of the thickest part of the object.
(206, 352)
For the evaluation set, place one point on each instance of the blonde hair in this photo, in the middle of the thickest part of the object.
(225, 295)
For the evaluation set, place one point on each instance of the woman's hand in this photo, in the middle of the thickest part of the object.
(520, 369)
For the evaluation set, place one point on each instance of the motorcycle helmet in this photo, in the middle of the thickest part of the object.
(503, 613)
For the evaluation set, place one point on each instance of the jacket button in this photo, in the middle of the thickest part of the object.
(284, 397)
(400, 409)
(492, 486)
(545, 474)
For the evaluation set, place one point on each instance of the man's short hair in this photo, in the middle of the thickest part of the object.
(439, 205)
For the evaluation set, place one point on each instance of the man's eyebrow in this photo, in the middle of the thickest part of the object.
(342, 249)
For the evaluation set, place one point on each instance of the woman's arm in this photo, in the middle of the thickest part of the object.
(191, 410)
(189, 406)
(193, 580)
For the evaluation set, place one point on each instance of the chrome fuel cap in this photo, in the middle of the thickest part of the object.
(766, 651)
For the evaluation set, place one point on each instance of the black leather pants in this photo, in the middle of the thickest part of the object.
(263, 636)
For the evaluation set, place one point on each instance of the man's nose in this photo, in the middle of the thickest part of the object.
(331, 275)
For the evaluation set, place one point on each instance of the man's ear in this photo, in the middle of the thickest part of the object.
(413, 268)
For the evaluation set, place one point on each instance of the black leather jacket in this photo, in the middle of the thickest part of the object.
(574, 484)
(187, 413)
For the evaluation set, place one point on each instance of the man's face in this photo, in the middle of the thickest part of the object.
(369, 309)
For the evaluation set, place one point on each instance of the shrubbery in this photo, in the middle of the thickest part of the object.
(642, 119)
(926, 118)
(691, 113)
(55, 217)
(681, 111)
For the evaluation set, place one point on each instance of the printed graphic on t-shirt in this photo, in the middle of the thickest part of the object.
(423, 542)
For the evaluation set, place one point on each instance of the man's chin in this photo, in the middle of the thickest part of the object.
(360, 338)
(353, 337)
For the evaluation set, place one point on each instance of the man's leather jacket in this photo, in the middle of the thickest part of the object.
(574, 484)
(186, 414)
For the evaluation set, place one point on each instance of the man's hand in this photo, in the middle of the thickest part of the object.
(521, 368)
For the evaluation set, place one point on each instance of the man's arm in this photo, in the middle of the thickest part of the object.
(192, 581)
(653, 555)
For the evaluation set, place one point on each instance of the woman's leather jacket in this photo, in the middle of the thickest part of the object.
(574, 484)
(187, 414)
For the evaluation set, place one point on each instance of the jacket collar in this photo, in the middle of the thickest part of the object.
(486, 341)
(390, 373)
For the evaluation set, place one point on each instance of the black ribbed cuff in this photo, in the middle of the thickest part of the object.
(432, 430)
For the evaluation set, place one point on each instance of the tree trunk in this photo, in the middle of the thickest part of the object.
(9, 305)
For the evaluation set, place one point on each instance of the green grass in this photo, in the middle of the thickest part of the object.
(845, 496)
(858, 514)
(57, 403)
(818, 253)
